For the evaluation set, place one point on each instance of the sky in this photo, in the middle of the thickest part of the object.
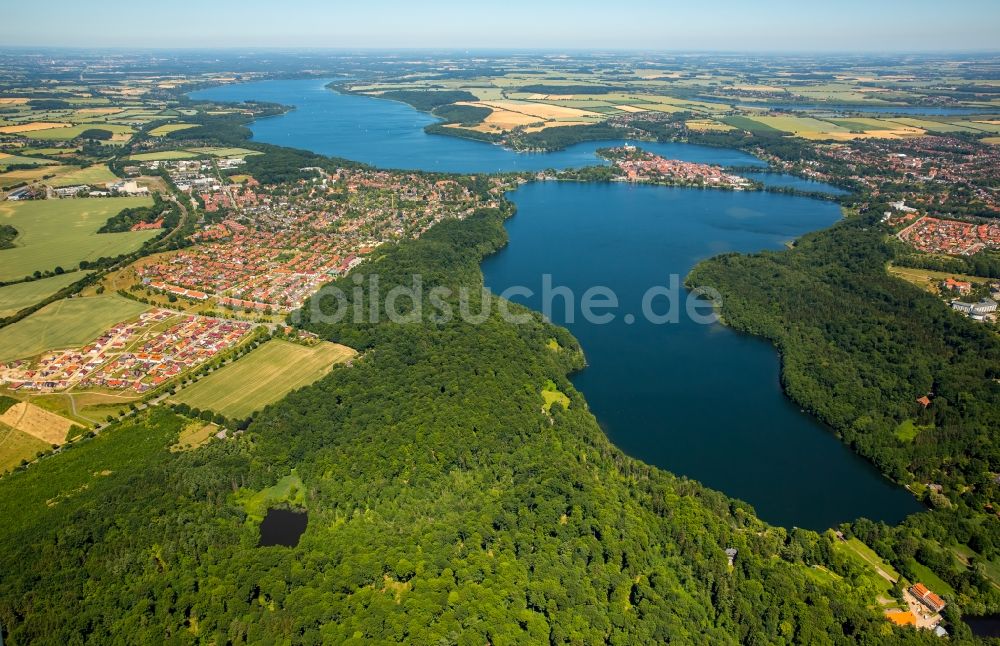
(667, 25)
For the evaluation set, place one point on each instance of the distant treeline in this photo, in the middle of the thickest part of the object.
(427, 100)
(7, 235)
(542, 88)
(128, 218)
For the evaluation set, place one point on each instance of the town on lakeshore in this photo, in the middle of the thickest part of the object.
(159, 259)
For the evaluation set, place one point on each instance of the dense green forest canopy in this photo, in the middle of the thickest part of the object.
(427, 100)
(445, 506)
(125, 219)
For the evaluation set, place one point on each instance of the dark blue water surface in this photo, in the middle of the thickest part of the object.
(695, 399)
(699, 400)
(389, 134)
(785, 180)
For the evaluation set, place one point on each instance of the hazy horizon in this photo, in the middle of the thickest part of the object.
(729, 26)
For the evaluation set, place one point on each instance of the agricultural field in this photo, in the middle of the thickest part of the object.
(160, 131)
(98, 174)
(840, 130)
(7, 160)
(16, 297)
(121, 133)
(32, 127)
(263, 377)
(61, 233)
(16, 446)
(37, 422)
(30, 175)
(163, 155)
(66, 323)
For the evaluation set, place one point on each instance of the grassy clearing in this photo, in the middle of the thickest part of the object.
(67, 323)
(194, 435)
(98, 174)
(160, 131)
(929, 279)
(163, 155)
(931, 580)
(14, 298)
(263, 377)
(256, 503)
(552, 395)
(908, 430)
(61, 233)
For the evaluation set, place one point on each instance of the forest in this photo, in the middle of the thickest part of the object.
(125, 219)
(446, 505)
(859, 348)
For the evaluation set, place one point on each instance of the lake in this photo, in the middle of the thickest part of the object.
(699, 400)
(282, 527)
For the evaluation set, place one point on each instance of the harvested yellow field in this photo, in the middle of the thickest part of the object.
(657, 107)
(31, 127)
(705, 125)
(13, 100)
(992, 140)
(631, 108)
(93, 111)
(542, 111)
(37, 422)
(749, 87)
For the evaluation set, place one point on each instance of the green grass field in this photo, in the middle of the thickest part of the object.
(65, 134)
(163, 155)
(159, 131)
(96, 174)
(931, 580)
(7, 160)
(14, 298)
(64, 324)
(61, 233)
(223, 152)
(16, 446)
(263, 377)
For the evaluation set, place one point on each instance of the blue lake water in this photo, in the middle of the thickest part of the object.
(699, 400)
(784, 180)
(388, 134)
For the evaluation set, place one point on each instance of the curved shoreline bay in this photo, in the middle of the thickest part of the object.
(701, 401)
